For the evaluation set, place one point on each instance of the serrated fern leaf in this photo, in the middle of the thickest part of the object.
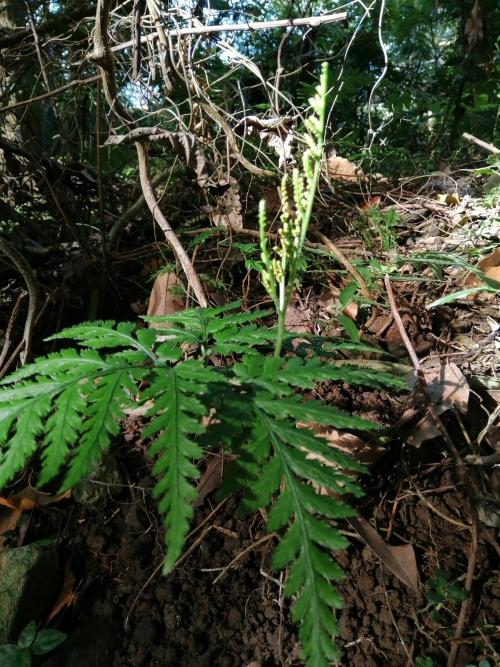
(108, 335)
(75, 399)
(62, 429)
(175, 418)
(205, 327)
(69, 405)
(23, 444)
(105, 405)
(312, 570)
(55, 365)
(313, 411)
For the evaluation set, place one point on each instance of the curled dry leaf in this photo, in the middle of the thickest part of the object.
(474, 28)
(299, 319)
(361, 451)
(275, 132)
(400, 560)
(211, 479)
(29, 498)
(340, 169)
(66, 595)
(163, 299)
(329, 301)
(449, 198)
(490, 266)
(370, 202)
(448, 390)
(185, 144)
(227, 213)
(12, 507)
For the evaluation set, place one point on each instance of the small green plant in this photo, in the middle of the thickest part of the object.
(442, 593)
(67, 407)
(439, 261)
(381, 225)
(30, 642)
(424, 662)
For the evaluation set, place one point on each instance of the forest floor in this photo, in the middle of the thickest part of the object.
(429, 521)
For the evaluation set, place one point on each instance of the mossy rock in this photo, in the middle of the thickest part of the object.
(29, 583)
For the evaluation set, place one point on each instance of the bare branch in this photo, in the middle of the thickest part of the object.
(312, 21)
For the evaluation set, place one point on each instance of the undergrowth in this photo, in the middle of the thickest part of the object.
(67, 408)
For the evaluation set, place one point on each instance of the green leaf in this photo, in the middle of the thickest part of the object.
(349, 327)
(105, 406)
(461, 294)
(23, 443)
(27, 636)
(62, 429)
(12, 656)
(47, 640)
(302, 548)
(176, 414)
(347, 293)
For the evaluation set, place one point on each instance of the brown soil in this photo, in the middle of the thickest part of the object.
(242, 619)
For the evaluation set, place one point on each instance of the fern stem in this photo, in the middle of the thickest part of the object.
(278, 344)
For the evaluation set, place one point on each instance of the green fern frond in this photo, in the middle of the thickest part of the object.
(206, 327)
(68, 406)
(312, 570)
(105, 405)
(23, 444)
(175, 418)
(63, 428)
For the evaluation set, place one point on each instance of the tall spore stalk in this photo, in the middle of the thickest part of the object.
(281, 263)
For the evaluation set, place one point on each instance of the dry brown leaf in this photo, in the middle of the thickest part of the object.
(449, 198)
(359, 449)
(227, 213)
(448, 389)
(490, 266)
(210, 480)
(29, 498)
(299, 319)
(474, 29)
(12, 507)
(162, 300)
(371, 202)
(275, 132)
(447, 386)
(400, 560)
(340, 169)
(66, 595)
(329, 301)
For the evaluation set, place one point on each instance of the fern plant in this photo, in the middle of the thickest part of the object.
(68, 405)
(67, 408)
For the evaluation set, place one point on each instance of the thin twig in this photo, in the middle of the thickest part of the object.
(170, 235)
(25, 270)
(250, 547)
(103, 58)
(134, 209)
(10, 325)
(36, 41)
(50, 93)
(340, 257)
(363, 287)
